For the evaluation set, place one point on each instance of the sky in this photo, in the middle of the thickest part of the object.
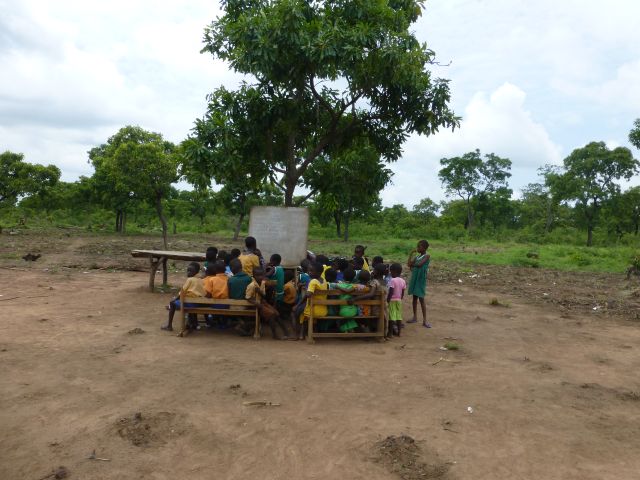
(532, 80)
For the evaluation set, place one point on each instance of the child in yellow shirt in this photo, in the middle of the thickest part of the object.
(192, 288)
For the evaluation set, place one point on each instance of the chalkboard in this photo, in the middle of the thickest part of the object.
(281, 230)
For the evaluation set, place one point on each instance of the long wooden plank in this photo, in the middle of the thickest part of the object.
(193, 256)
(319, 301)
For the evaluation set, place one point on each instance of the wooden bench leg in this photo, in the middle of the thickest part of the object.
(164, 271)
(152, 275)
(256, 331)
(310, 330)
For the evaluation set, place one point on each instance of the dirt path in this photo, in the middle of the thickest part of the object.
(554, 394)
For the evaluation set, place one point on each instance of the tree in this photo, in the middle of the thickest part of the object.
(634, 134)
(426, 209)
(325, 75)
(138, 164)
(469, 176)
(589, 179)
(348, 185)
(19, 178)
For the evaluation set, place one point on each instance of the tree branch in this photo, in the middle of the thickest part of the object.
(306, 197)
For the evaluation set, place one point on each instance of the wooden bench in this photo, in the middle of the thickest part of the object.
(378, 319)
(209, 306)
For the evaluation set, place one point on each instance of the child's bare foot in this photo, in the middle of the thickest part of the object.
(426, 324)
(167, 327)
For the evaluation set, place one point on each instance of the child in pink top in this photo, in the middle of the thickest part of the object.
(397, 286)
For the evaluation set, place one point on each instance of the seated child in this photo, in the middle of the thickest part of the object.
(349, 310)
(364, 284)
(358, 252)
(285, 306)
(216, 286)
(316, 284)
(192, 288)
(394, 299)
(276, 275)
(358, 265)
(239, 281)
(256, 294)
(210, 258)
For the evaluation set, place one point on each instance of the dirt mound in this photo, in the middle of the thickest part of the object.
(150, 430)
(402, 456)
(136, 331)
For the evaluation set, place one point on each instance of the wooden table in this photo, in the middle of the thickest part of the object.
(161, 256)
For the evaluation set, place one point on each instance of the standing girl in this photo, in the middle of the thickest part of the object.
(419, 264)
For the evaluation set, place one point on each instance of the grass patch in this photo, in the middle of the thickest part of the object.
(452, 346)
(498, 303)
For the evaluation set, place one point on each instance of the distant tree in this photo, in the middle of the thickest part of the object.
(426, 209)
(623, 212)
(349, 185)
(326, 74)
(634, 134)
(469, 176)
(589, 179)
(19, 178)
(495, 207)
(135, 163)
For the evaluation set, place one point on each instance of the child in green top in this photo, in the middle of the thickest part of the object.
(349, 310)
(419, 264)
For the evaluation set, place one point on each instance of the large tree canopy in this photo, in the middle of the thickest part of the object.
(137, 164)
(19, 178)
(470, 177)
(326, 74)
(590, 179)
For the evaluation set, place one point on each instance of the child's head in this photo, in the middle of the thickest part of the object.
(330, 275)
(304, 265)
(395, 269)
(275, 260)
(250, 243)
(220, 267)
(376, 260)
(235, 252)
(364, 277)
(258, 274)
(358, 251)
(349, 274)
(423, 245)
(343, 264)
(211, 255)
(358, 263)
(288, 276)
(192, 269)
(222, 254)
(379, 271)
(211, 270)
(235, 265)
(315, 269)
(323, 259)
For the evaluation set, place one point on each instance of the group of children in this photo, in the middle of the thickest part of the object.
(282, 301)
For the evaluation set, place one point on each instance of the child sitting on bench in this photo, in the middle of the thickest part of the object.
(192, 288)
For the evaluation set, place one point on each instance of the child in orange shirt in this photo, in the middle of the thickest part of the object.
(216, 285)
(192, 288)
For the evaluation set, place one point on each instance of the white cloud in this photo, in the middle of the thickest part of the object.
(498, 123)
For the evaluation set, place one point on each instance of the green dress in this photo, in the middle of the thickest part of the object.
(418, 281)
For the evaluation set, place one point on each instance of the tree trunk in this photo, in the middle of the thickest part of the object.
(236, 231)
(347, 217)
(123, 222)
(337, 219)
(589, 235)
(162, 218)
(549, 219)
(118, 221)
(469, 224)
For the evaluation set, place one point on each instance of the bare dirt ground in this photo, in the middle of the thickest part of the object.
(542, 387)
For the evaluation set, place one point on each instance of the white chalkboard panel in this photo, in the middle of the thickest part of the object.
(281, 230)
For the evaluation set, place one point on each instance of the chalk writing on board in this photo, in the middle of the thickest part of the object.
(281, 230)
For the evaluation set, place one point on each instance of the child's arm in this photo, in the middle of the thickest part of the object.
(412, 258)
(402, 294)
(422, 261)
(390, 294)
(373, 289)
